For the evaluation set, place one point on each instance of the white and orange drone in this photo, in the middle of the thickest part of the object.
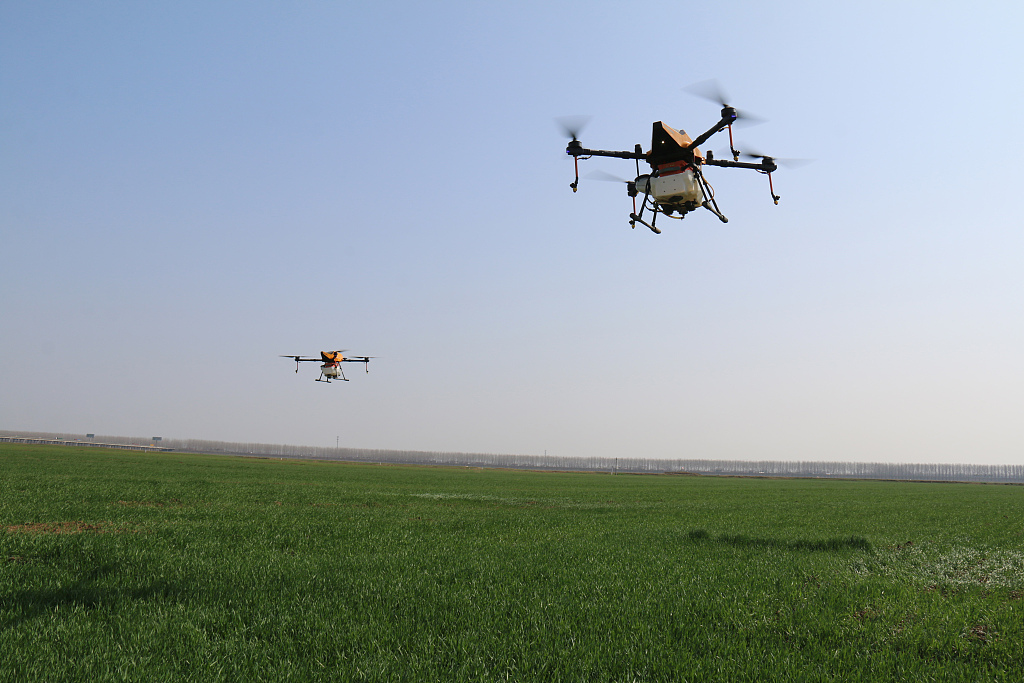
(332, 360)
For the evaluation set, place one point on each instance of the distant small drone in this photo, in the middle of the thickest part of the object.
(676, 184)
(331, 368)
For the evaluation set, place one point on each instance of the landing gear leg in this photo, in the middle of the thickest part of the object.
(650, 225)
(634, 218)
(714, 209)
(709, 202)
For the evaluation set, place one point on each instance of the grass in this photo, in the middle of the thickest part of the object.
(123, 566)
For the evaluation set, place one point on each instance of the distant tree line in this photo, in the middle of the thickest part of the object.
(767, 468)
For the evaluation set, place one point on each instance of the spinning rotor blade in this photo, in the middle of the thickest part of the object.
(606, 177)
(711, 90)
(789, 163)
(365, 360)
(572, 125)
(297, 359)
(610, 178)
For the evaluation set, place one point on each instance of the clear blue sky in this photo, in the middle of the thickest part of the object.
(188, 189)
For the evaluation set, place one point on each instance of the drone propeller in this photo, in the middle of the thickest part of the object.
(606, 177)
(610, 178)
(711, 90)
(365, 360)
(770, 164)
(790, 163)
(296, 359)
(572, 125)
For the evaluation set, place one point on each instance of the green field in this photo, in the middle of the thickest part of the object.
(124, 566)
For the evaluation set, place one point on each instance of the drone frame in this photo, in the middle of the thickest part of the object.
(680, 149)
(331, 362)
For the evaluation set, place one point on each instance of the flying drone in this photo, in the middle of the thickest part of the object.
(676, 185)
(331, 368)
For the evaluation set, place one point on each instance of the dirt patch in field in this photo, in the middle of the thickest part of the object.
(62, 528)
(980, 633)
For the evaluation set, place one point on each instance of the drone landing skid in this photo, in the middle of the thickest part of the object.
(657, 209)
(713, 209)
(633, 218)
(337, 378)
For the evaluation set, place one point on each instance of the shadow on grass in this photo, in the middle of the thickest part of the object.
(84, 593)
(744, 541)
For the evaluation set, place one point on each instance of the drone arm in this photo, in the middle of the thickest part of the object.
(703, 137)
(729, 116)
(300, 359)
(365, 360)
(579, 151)
(765, 165)
(576, 150)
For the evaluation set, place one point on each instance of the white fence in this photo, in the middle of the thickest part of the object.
(747, 468)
